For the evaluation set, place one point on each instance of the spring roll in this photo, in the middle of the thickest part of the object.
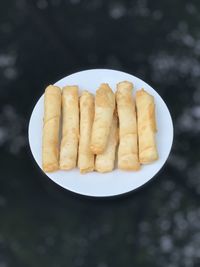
(86, 157)
(105, 161)
(146, 127)
(104, 108)
(51, 124)
(70, 128)
(128, 146)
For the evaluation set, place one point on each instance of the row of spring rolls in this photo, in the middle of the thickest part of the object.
(91, 137)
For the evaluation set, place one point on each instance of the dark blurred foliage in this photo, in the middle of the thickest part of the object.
(43, 225)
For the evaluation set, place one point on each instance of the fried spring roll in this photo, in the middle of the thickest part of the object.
(104, 108)
(105, 161)
(146, 127)
(86, 157)
(128, 147)
(51, 124)
(70, 128)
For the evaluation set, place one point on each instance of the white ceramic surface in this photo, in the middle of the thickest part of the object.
(115, 182)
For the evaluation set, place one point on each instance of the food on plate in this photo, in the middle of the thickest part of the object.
(86, 157)
(51, 124)
(105, 162)
(104, 108)
(105, 120)
(146, 127)
(128, 146)
(70, 128)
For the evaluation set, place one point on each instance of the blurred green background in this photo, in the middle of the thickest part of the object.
(43, 225)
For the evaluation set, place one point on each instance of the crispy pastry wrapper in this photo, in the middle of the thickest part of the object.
(146, 127)
(104, 108)
(86, 157)
(128, 146)
(70, 128)
(51, 125)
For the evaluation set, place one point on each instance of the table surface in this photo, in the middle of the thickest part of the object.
(42, 224)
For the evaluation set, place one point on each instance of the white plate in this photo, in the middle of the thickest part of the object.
(115, 182)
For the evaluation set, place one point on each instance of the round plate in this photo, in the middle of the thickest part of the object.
(116, 182)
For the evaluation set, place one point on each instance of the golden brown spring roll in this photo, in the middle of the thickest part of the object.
(128, 147)
(104, 108)
(86, 157)
(70, 128)
(51, 124)
(146, 126)
(105, 162)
